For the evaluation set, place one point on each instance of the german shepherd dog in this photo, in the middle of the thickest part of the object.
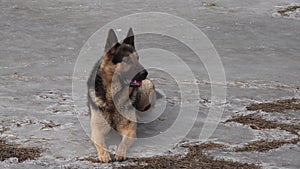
(117, 88)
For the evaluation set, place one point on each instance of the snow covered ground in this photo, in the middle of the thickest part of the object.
(41, 40)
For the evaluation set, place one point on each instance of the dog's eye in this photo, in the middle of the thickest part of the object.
(126, 60)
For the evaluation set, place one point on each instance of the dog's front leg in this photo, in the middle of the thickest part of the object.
(128, 132)
(103, 154)
(100, 128)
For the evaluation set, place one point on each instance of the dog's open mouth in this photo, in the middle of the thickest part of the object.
(137, 80)
(136, 83)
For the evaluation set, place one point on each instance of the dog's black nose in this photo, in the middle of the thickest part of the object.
(143, 74)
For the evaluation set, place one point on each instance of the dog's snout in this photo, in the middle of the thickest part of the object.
(143, 73)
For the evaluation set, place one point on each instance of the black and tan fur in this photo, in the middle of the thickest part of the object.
(109, 93)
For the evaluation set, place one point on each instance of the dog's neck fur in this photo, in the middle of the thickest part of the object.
(107, 77)
(112, 87)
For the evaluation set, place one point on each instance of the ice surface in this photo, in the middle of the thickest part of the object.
(40, 42)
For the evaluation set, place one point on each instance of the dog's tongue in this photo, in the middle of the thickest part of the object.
(137, 83)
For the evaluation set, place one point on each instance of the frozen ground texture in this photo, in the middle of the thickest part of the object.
(40, 42)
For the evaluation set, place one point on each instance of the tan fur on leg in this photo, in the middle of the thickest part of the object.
(100, 128)
(129, 133)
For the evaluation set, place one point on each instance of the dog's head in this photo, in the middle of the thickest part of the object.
(124, 60)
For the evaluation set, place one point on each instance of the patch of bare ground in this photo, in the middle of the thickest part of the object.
(195, 158)
(205, 145)
(49, 124)
(277, 106)
(9, 150)
(209, 4)
(257, 122)
(283, 12)
(90, 159)
(265, 145)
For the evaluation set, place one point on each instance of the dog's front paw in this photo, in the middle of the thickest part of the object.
(120, 155)
(104, 157)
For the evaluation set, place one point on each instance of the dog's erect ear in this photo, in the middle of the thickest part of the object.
(129, 38)
(111, 40)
